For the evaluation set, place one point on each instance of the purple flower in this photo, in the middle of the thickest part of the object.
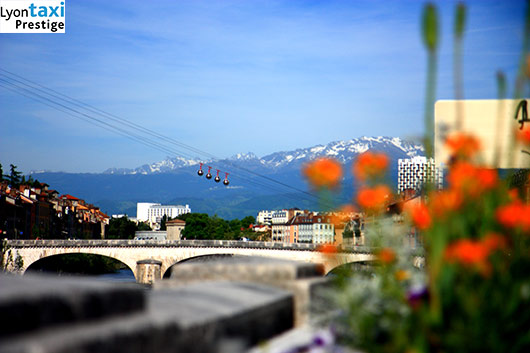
(416, 295)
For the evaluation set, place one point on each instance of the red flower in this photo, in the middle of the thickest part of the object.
(374, 199)
(462, 145)
(323, 172)
(342, 215)
(471, 180)
(524, 135)
(469, 253)
(475, 253)
(370, 165)
(386, 256)
(494, 241)
(514, 215)
(443, 202)
(420, 215)
(328, 249)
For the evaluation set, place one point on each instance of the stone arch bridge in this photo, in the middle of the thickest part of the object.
(150, 259)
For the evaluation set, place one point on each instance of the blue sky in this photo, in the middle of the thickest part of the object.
(239, 76)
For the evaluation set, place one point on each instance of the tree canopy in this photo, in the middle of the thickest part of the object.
(202, 226)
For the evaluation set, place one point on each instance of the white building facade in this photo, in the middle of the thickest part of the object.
(152, 213)
(142, 209)
(280, 228)
(323, 230)
(156, 212)
(414, 172)
(264, 217)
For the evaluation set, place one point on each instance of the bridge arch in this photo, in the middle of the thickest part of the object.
(32, 255)
(53, 263)
(355, 266)
(199, 258)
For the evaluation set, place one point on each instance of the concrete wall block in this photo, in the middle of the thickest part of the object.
(196, 318)
(36, 302)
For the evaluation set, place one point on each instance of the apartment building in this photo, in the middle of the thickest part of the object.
(264, 217)
(153, 213)
(280, 227)
(298, 226)
(414, 172)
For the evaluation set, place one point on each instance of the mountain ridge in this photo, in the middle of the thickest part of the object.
(343, 150)
(269, 182)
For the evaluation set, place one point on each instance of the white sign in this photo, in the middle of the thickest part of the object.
(32, 16)
(492, 122)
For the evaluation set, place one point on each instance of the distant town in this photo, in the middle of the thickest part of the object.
(33, 210)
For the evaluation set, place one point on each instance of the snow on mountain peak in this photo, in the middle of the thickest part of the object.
(244, 156)
(343, 151)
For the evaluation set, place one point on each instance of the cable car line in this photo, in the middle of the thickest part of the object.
(52, 102)
(148, 131)
(81, 116)
(99, 122)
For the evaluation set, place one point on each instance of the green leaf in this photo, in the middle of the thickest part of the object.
(430, 27)
(501, 84)
(460, 20)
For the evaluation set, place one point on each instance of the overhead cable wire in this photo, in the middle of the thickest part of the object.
(137, 127)
(52, 102)
(97, 122)
(41, 100)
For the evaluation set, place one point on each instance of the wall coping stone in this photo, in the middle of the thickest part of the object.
(34, 302)
(174, 243)
(194, 318)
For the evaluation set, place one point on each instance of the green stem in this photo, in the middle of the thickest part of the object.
(457, 77)
(429, 104)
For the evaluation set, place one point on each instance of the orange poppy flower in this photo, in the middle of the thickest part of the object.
(420, 215)
(462, 145)
(494, 241)
(402, 275)
(513, 194)
(342, 215)
(323, 172)
(446, 201)
(465, 177)
(514, 215)
(524, 135)
(328, 249)
(469, 253)
(386, 256)
(370, 165)
(374, 199)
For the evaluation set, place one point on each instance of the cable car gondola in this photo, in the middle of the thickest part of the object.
(217, 178)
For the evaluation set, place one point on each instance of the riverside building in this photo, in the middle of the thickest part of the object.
(153, 213)
(414, 172)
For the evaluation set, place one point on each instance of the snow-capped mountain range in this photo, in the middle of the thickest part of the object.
(344, 151)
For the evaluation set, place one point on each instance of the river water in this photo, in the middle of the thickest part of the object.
(123, 275)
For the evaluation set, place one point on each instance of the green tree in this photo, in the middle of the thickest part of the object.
(14, 176)
(121, 228)
(143, 226)
(163, 223)
(348, 231)
(196, 224)
(247, 221)
(6, 257)
(19, 262)
(1, 172)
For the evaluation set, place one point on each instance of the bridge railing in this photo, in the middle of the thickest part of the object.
(176, 243)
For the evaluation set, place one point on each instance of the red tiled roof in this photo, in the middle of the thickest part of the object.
(176, 221)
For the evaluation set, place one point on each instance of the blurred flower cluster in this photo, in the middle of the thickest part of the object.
(467, 287)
